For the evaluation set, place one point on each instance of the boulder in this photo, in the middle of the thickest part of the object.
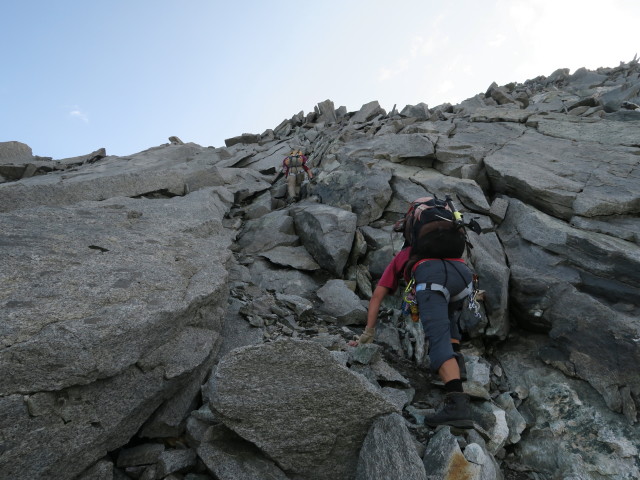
(340, 302)
(418, 147)
(368, 112)
(294, 257)
(314, 430)
(88, 158)
(279, 280)
(326, 232)
(388, 451)
(326, 112)
(471, 142)
(510, 113)
(419, 111)
(275, 229)
(245, 139)
(15, 153)
(360, 188)
(444, 459)
(607, 131)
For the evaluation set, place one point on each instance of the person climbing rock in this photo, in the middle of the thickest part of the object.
(294, 166)
(442, 281)
(394, 274)
(432, 263)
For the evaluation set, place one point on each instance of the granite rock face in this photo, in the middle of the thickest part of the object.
(169, 315)
(109, 310)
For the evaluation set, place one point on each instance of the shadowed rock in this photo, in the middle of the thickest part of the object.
(327, 234)
(388, 451)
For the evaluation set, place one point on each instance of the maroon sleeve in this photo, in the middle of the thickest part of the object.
(394, 271)
(304, 163)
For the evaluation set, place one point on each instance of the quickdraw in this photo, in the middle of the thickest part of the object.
(474, 296)
(410, 304)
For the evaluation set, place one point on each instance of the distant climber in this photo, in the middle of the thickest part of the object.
(294, 166)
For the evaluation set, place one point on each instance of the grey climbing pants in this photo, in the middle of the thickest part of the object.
(441, 286)
(294, 180)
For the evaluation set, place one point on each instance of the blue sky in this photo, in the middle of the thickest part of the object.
(78, 75)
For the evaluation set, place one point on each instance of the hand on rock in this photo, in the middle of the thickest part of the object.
(366, 337)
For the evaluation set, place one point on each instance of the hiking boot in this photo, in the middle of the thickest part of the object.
(462, 367)
(455, 412)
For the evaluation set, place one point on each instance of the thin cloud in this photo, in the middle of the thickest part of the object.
(445, 87)
(497, 40)
(419, 48)
(387, 73)
(77, 113)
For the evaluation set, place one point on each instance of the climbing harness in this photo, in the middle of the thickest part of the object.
(471, 291)
(468, 290)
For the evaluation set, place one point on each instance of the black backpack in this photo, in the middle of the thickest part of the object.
(440, 222)
(422, 211)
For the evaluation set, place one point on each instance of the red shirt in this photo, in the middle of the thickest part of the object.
(395, 270)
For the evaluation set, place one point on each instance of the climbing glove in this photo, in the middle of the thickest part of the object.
(367, 336)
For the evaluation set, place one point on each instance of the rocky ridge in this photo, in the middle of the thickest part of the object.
(167, 316)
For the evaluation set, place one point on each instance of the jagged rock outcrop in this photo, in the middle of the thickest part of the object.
(167, 315)
(109, 310)
(388, 451)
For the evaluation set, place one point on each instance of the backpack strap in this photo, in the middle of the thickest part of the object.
(419, 262)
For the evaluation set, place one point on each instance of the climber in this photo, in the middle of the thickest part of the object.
(294, 166)
(422, 209)
(442, 281)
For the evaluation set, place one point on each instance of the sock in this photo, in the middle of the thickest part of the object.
(456, 347)
(453, 386)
